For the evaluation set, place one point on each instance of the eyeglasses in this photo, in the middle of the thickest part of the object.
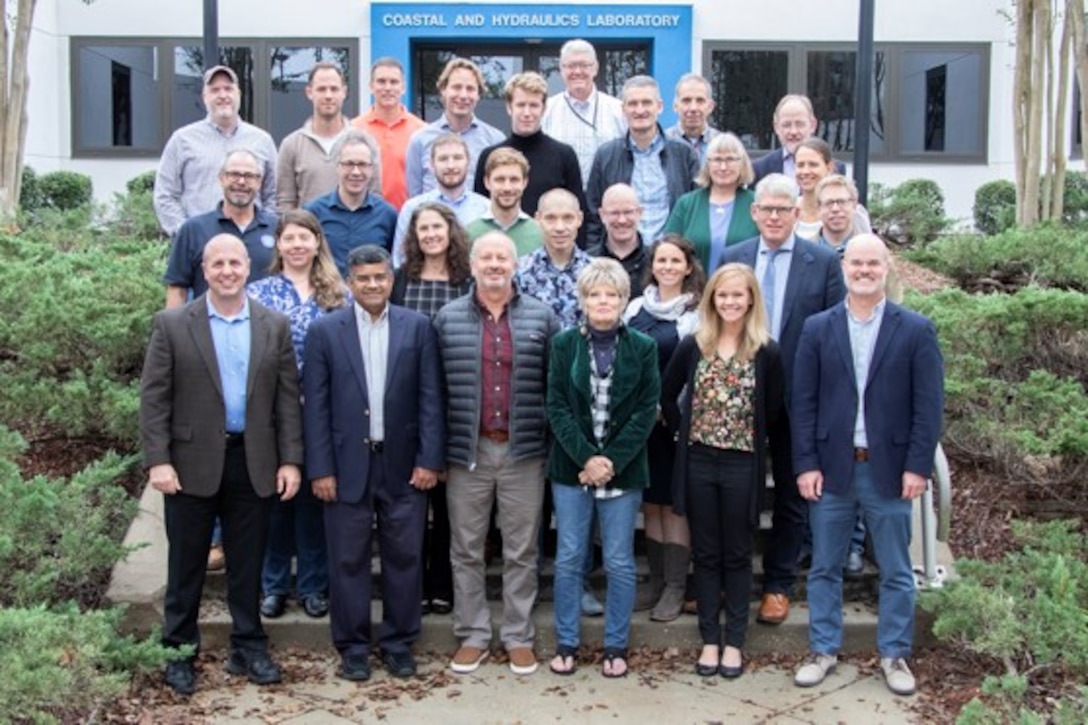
(246, 176)
(833, 203)
(356, 165)
(771, 211)
(577, 65)
(723, 160)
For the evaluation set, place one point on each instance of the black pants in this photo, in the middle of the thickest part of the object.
(189, 521)
(437, 572)
(790, 515)
(720, 487)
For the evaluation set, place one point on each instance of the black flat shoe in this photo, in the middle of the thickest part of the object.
(441, 606)
(399, 664)
(355, 668)
(731, 673)
(181, 677)
(706, 670)
(258, 667)
(315, 605)
(273, 606)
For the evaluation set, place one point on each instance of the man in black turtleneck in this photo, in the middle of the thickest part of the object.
(552, 164)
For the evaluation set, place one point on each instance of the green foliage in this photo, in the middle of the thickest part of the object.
(59, 537)
(1048, 255)
(59, 665)
(995, 206)
(912, 212)
(75, 314)
(61, 190)
(141, 182)
(133, 215)
(1028, 610)
(30, 194)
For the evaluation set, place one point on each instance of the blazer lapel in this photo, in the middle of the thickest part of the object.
(888, 328)
(396, 340)
(841, 332)
(201, 331)
(799, 262)
(349, 337)
(259, 344)
(623, 380)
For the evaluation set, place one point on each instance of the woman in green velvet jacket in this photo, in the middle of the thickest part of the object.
(719, 213)
(603, 390)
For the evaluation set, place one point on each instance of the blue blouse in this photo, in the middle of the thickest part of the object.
(279, 293)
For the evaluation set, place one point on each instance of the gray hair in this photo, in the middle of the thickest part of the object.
(689, 77)
(492, 236)
(242, 152)
(777, 185)
(357, 137)
(604, 271)
(727, 142)
(369, 254)
(577, 46)
(640, 82)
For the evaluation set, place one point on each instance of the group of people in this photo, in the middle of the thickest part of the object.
(412, 325)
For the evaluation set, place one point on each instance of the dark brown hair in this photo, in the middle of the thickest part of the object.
(456, 254)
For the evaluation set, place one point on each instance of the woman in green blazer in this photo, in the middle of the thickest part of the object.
(603, 390)
(719, 213)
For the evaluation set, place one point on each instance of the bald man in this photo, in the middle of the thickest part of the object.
(620, 214)
(550, 274)
(865, 413)
(221, 435)
(496, 448)
(794, 121)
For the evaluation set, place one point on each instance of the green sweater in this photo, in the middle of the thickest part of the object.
(636, 388)
(690, 218)
(526, 233)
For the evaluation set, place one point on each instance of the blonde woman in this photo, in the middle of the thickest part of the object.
(733, 372)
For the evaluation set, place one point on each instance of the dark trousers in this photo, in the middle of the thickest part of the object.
(788, 525)
(720, 487)
(189, 521)
(401, 512)
(437, 572)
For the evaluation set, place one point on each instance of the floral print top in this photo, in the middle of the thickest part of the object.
(279, 294)
(723, 405)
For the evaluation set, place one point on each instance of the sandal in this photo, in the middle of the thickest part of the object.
(615, 663)
(565, 661)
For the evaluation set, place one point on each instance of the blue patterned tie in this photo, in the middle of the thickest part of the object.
(768, 286)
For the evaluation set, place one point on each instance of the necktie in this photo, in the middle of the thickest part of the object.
(768, 286)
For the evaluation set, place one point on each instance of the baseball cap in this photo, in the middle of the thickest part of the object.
(215, 70)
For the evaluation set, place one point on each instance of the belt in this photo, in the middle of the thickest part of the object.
(234, 439)
(861, 454)
(499, 436)
(375, 446)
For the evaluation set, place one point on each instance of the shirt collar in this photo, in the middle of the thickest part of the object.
(655, 146)
(338, 202)
(878, 310)
(219, 129)
(212, 312)
(787, 246)
(363, 316)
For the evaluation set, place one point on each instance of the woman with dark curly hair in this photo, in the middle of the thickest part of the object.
(436, 268)
(435, 271)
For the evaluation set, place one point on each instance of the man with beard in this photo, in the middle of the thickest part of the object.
(693, 106)
(238, 214)
(496, 447)
(185, 184)
(351, 214)
(390, 123)
(507, 175)
(306, 168)
(449, 159)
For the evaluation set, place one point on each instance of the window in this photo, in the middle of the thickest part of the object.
(928, 102)
(129, 95)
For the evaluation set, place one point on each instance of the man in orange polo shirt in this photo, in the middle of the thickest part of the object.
(390, 123)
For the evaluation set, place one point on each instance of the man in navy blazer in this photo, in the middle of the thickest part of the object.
(868, 395)
(375, 443)
(798, 279)
(794, 121)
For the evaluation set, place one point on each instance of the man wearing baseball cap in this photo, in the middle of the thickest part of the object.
(187, 180)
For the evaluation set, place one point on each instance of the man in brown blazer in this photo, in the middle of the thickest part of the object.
(221, 432)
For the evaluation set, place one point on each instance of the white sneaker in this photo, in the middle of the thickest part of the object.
(897, 675)
(814, 669)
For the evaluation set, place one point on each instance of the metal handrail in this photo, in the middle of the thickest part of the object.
(936, 521)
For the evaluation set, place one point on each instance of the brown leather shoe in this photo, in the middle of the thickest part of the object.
(216, 559)
(774, 609)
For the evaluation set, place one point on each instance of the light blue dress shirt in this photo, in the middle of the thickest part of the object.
(782, 265)
(231, 337)
(862, 342)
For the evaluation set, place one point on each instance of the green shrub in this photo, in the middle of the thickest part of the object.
(74, 323)
(30, 194)
(141, 182)
(60, 538)
(1048, 255)
(1028, 611)
(60, 665)
(65, 190)
(995, 206)
(133, 215)
(912, 212)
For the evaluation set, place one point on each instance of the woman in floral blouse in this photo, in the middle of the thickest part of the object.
(303, 283)
(732, 371)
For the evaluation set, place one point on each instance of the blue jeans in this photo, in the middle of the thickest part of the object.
(889, 523)
(574, 507)
(297, 528)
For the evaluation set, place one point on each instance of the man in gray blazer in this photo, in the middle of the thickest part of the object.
(221, 433)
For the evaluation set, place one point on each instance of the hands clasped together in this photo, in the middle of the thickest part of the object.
(598, 471)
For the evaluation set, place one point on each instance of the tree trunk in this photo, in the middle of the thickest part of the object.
(1027, 188)
(1074, 16)
(1057, 145)
(14, 82)
(1046, 129)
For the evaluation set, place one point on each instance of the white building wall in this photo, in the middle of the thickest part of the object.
(49, 134)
